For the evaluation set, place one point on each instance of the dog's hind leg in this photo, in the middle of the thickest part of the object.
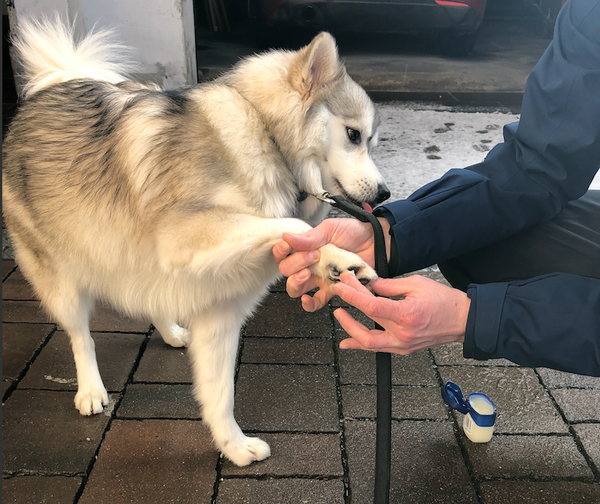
(72, 310)
(172, 334)
(213, 349)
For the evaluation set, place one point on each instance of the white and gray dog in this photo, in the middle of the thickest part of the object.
(166, 204)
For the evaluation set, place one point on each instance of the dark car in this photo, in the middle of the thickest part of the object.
(455, 22)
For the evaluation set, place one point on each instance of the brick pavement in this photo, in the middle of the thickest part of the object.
(314, 404)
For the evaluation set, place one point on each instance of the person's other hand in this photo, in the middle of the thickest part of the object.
(295, 253)
(429, 314)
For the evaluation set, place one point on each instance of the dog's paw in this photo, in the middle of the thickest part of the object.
(335, 261)
(176, 336)
(246, 450)
(91, 402)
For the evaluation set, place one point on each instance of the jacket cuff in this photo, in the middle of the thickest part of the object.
(394, 256)
(483, 323)
(401, 210)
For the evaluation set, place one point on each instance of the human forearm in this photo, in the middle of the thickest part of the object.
(549, 321)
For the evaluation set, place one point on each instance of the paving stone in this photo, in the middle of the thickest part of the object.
(294, 398)
(17, 287)
(163, 363)
(357, 367)
(427, 467)
(24, 311)
(589, 435)
(40, 489)
(559, 379)
(281, 316)
(159, 401)
(42, 431)
(578, 404)
(280, 491)
(452, 355)
(295, 455)
(54, 368)
(522, 403)
(19, 344)
(103, 318)
(153, 461)
(537, 492)
(416, 403)
(287, 351)
(534, 457)
(8, 265)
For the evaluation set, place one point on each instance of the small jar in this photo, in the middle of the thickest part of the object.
(479, 411)
(478, 424)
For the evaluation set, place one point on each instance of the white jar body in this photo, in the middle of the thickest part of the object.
(476, 433)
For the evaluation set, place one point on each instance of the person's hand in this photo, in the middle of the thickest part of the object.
(429, 314)
(348, 234)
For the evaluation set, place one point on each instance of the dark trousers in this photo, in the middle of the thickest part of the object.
(569, 243)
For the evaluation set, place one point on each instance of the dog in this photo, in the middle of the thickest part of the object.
(166, 204)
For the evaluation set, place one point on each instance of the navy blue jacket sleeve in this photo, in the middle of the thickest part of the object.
(549, 321)
(547, 159)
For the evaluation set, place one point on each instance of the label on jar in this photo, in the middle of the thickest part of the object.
(468, 425)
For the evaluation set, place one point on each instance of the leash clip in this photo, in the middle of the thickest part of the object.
(325, 197)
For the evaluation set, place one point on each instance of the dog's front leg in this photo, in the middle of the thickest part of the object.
(213, 350)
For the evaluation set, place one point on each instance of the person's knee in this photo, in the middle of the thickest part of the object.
(456, 275)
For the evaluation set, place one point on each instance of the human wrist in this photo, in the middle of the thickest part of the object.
(385, 225)
(463, 307)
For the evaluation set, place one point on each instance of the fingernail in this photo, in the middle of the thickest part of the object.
(313, 255)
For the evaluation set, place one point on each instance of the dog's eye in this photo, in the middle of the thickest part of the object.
(353, 135)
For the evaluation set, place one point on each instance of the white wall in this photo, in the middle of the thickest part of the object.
(161, 31)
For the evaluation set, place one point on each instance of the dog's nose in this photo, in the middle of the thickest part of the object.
(383, 193)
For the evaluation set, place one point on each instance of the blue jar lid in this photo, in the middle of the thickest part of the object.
(454, 398)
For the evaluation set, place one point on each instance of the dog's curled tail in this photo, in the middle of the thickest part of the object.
(49, 53)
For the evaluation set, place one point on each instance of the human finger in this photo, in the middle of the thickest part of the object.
(300, 283)
(373, 307)
(298, 261)
(353, 344)
(317, 301)
(281, 250)
(367, 339)
(391, 287)
(311, 240)
(350, 279)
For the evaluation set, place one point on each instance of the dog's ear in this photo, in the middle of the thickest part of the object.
(315, 66)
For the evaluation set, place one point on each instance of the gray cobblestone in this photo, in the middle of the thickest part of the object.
(578, 404)
(40, 489)
(528, 457)
(292, 398)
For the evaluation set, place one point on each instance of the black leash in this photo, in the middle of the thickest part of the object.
(383, 361)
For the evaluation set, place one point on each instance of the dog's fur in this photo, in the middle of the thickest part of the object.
(167, 204)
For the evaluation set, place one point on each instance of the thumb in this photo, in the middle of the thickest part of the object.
(311, 240)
